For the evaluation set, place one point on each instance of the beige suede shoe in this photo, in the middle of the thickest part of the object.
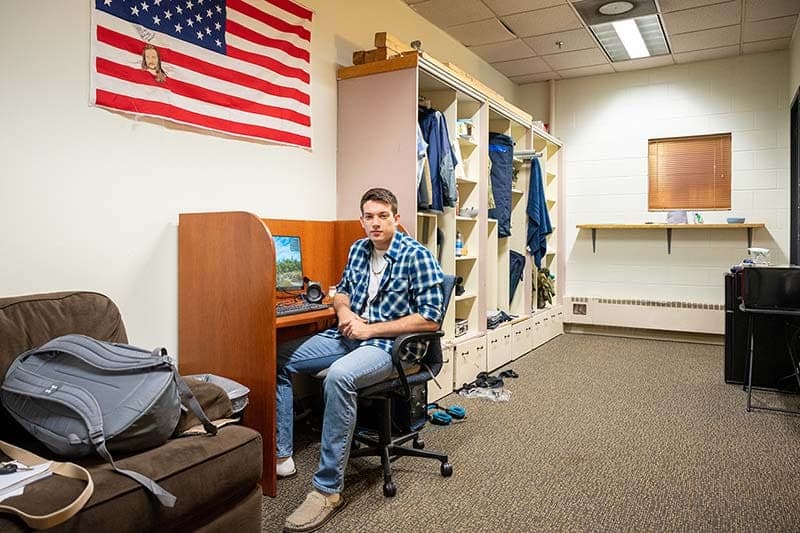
(312, 513)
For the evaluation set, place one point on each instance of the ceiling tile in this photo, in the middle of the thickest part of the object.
(441, 12)
(770, 9)
(531, 65)
(586, 71)
(572, 39)
(677, 5)
(645, 62)
(700, 40)
(507, 7)
(711, 53)
(531, 78)
(578, 58)
(703, 18)
(769, 29)
(482, 32)
(506, 51)
(541, 21)
(766, 46)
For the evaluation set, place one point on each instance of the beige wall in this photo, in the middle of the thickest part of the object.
(794, 63)
(535, 99)
(605, 122)
(89, 199)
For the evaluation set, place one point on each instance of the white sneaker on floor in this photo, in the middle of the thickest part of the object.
(286, 468)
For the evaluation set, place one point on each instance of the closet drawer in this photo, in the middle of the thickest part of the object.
(444, 377)
(470, 359)
(498, 349)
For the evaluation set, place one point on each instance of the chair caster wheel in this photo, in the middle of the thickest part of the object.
(418, 444)
(389, 490)
(447, 470)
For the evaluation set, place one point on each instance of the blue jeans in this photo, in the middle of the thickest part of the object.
(351, 367)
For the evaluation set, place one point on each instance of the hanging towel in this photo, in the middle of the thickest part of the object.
(539, 226)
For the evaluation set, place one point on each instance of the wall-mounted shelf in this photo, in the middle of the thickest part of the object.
(669, 228)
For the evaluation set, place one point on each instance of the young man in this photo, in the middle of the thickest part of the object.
(391, 285)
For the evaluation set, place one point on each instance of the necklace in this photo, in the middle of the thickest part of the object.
(375, 261)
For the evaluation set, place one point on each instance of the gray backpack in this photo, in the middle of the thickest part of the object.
(78, 395)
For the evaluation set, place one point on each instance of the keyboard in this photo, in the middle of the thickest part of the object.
(294, 309)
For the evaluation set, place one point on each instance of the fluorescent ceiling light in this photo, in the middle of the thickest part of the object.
(631, 38)
(647, 31)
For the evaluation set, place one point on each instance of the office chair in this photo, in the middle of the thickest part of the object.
(398, 387)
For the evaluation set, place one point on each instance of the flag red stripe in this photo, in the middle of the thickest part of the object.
(130, 44)
(269, 63)
(291, 7)
(266, 18)
(115, 70)
(149, 107)
(237, 29)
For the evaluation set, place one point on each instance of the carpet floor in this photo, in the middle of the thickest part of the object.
(600, 434)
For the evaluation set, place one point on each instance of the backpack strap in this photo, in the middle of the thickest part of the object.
(69, 470)
(113, 357)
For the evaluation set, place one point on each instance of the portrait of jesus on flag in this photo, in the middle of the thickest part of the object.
(239, 67)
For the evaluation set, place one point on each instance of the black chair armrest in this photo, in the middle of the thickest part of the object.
(398, 349)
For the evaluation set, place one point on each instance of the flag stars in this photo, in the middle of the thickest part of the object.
(145, 7)
(217, 26)
(208, 30)
(167, 15)
(178, 10)
(209, 14)
(189, 5)
(199, 36)
(157, 2)
(156, 20)
(178, 28)
(107, 2)
(219, 43)
(135, 11)
(189, 22)
(199, 18)
(219, 9)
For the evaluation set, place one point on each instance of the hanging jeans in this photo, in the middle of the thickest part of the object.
(501, 154)
(517, 264)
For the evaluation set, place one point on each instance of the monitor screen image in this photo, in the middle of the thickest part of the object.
(288, 262)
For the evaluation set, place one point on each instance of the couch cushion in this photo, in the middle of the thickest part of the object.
(207, 475)
(30, 321)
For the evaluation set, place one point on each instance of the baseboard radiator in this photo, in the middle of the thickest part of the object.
(689, 317)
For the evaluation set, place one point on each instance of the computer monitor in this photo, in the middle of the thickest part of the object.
(288, 262)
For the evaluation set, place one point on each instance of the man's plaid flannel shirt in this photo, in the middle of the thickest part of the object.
(411, 283)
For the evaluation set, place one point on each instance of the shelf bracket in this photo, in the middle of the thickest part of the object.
(594, 240)
(669, 240)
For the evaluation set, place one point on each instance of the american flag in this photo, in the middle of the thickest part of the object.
(241, 67)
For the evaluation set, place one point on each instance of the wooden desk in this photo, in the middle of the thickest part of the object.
(303, 324)
(226, 302)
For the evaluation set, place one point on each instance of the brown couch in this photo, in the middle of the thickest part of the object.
(215, 479)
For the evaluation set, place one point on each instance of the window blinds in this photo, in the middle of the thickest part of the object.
(690, 173)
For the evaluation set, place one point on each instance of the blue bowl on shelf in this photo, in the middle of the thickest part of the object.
(735, 220)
